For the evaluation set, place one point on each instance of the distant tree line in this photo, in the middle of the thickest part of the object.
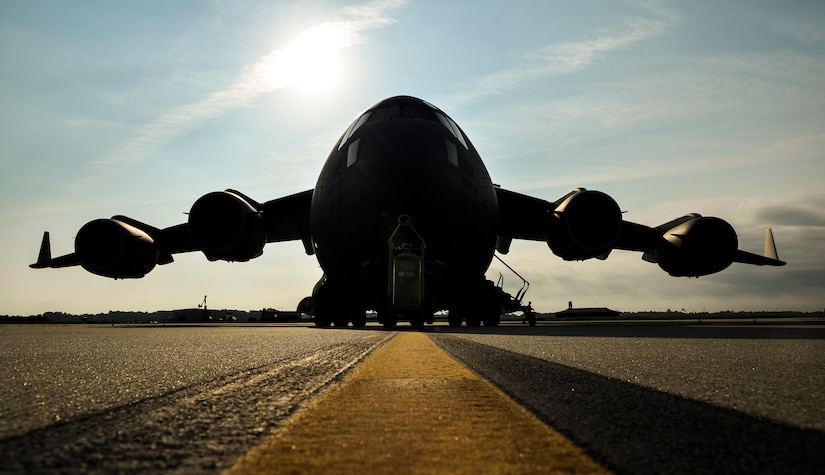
(168, 316)
(118, 316)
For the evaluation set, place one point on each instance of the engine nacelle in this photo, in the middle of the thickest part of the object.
(226, 226)
(700, 246)
(112, 248)
(586, 224)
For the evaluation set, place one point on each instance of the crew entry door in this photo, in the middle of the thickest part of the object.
(406, 272)
(408, 280)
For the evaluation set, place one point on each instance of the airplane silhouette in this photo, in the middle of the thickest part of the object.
(405, 220)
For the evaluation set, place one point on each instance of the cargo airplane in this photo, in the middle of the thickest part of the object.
(405, 220)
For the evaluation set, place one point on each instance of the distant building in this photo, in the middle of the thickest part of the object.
(593, 312)
(274, 315)
(190, 315)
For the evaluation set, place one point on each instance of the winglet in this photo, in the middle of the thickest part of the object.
(770, 258)
(770, 245)
(44, 258)
(45, 252)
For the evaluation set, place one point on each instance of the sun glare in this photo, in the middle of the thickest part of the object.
(313, 60)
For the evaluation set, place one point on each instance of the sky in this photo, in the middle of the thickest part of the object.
(140, 108)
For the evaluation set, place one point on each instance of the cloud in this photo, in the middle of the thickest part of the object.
(802, 209)
(275, 70)
(565, 58)
(705, 114)
(809, 31)
(802, 147)
(788, 151)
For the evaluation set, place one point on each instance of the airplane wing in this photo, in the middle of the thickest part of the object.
(172, 240)
(287, 219)
(223, 225)
(579, 225)
(638, 237)
(584, 224)
(522, 216)
(44, 259)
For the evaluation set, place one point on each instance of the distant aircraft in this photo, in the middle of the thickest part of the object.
(405, 220)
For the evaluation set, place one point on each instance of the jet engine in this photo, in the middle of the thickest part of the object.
(699, 246)
(585, 224)
(112, 248)
(227, 225)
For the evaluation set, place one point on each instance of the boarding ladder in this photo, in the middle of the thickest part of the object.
(514, 302)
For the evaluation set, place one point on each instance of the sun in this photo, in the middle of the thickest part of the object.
(312, 61)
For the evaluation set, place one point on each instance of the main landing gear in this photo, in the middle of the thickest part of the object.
(481, 305)
(474, 301)
(477, 305)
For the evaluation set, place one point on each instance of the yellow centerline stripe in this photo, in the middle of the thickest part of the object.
(410, 408)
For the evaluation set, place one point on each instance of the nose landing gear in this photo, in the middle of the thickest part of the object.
(406, 284)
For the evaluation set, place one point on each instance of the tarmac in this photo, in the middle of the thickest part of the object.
(410, 408)
(563, 397)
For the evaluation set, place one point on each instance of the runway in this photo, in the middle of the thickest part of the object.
(634, 398)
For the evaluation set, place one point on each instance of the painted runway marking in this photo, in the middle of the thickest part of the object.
(410, 408)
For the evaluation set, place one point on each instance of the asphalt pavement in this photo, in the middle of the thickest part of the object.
(666, 398)
(158, 399)
(637, 398)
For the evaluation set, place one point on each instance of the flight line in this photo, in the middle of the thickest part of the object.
(632, 397)
(410, 408)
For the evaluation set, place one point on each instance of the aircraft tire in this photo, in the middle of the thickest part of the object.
(321, 300)
(416, 320)
(429, 317)
(390, 319)
(459, 312)
(473, 321)
(359, 320)
(307, 306)
(492, 320)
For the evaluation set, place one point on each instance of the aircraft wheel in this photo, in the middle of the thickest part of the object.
(492, 316)
(429, 317)
(492, 320)
(390, 319)
(459, 312)
(473, 321)
(321, 304)
(307, 306)
(340, 321)
(359, 320)
(416, 320)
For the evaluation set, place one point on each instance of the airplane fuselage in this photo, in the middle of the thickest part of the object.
(403, 157)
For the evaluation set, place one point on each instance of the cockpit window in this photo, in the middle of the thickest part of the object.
(452, 127)
(395, 109)
(355, 126)
(403, 110)
(428, 104)
(352, 153)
